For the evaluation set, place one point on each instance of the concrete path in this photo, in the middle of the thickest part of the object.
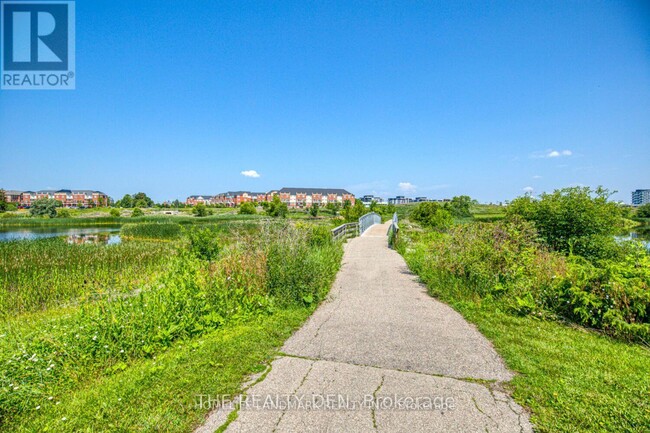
(380, 355)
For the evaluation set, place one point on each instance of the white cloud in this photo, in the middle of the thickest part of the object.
(250, 173)
(528, 190)
(406, 186)
(537, 176)
(552, 154)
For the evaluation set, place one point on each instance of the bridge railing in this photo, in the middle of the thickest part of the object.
(368, 220)
(345, 231)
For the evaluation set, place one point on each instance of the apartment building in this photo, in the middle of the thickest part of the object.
(640, 197)
(293, 197)
(67, 197)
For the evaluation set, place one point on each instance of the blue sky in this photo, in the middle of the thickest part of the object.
(417, 98)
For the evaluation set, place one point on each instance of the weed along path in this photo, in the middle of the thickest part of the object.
(380, 355)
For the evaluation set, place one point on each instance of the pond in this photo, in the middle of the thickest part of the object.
(108, 235)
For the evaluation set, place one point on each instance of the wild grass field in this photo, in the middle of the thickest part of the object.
(152, 323)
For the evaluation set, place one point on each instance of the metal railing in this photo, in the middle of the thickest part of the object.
(368, 220)
(345, 231)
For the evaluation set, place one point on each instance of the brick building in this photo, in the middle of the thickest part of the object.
(67, 197)
(293, 197)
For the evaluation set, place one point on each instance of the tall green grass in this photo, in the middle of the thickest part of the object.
(151, 230)
(46, 355)
(39, 274)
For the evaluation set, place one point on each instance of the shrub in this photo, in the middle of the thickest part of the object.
(432, 215)
(200, 210)
(313, 210)
(204, 243)
(571, 220)
(459, 206)
(276, 208)
(63, 213)
(643, 211)
(137, 212)
(248, 208)
(44, 207)
(115, 213)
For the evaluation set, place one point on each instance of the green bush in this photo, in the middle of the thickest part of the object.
(247, 208)
(137, 212)
(432, 215)
(507, 263)
(204, 243)
(200, 210)
(151, 230)
(63, 213)
(44, 207)
(276, 208)
(643, 211)
(115, 213)
(572, 220)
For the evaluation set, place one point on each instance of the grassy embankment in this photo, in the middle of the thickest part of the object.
(222, 304)
(528, 300)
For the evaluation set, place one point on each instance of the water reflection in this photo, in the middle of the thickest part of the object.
(97, 238)
(31, 233)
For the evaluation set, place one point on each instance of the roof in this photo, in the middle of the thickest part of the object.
(337, 191)
(236, 193)
(201, 196)
(12, 192)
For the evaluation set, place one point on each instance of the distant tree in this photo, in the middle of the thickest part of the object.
(137, 212)
(248, 208)
(459, 206)
(333, 207)
(374, 207)
(44, 207)
(353, 213)
(3, 201)
(125, 202)
(178, 204)
(142, 200)
(313, 210)
(432, 215)
(643, 211)
(276, 208)
(200, 210)
(115, 213)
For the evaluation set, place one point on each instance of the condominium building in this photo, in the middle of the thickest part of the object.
(67, 197)
(293, 197)
(640, 197)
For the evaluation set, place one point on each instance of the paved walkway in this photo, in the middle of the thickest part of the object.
(376, 349)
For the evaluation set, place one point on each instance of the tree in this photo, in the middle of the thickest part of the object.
(353, 213)
(578, 219)
(333, 207)
(142, 200)
(433, 215)
(276, 208)
(3, 201)
(459, 206)
(200, 210)
(248, 208)
(126, 201)
(44, 207)
(374, 207)
(313, 210)
(115, 213)
(643, 211)
(137, 212)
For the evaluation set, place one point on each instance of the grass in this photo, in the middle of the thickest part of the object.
(151, 230)
(73, 354)
(44, 273)
(572, 379)
(152, 396)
